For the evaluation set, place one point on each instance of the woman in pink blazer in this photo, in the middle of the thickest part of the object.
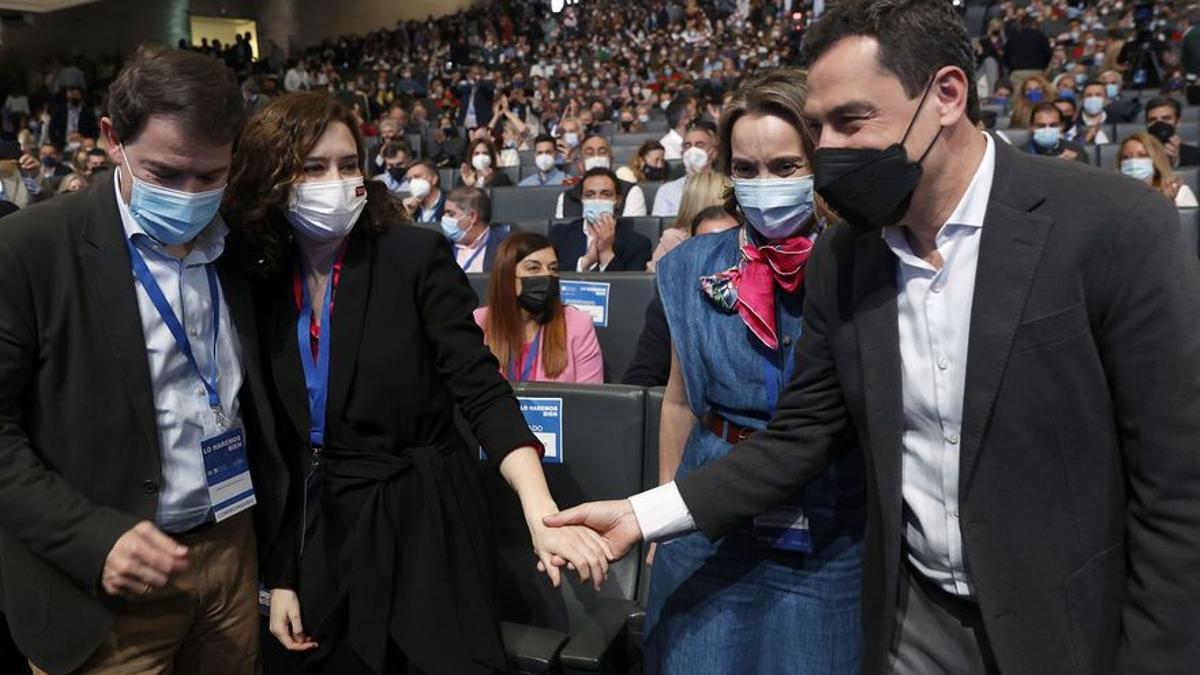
(534, 336)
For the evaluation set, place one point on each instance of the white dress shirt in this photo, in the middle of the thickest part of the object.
(934, 309)
(666, 200)
(672, 145)
(181, 411)
(635, 204)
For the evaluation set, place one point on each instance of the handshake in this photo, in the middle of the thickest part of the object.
(612, 521)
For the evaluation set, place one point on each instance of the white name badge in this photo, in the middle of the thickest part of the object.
(544, 416)
(784, 528)
(228, 474)
(590, 297)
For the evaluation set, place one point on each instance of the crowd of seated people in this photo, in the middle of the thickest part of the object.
(617, 106)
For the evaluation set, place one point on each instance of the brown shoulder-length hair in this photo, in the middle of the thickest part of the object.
(269, 158)
(505, 329)
(779, 93)
(487, 145)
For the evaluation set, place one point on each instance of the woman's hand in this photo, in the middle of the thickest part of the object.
(285, 621)
(578, 548)
(467, 172)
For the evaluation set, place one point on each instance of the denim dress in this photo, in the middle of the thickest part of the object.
(742, 604)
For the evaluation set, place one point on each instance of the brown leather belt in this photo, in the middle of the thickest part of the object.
(726, 430)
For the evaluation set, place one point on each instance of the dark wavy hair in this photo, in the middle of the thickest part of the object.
(268, 158)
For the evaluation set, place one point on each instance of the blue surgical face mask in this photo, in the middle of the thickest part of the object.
(450, 229)
(170, 217)
(776, 207)
(1067, 94)
(1093, 105)
(1080, 79)
(1047, 137)
(1035, 95)
(1139, 168)
(594, 208)
(1113, 90)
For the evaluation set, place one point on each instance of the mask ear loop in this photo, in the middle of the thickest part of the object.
(913, 121)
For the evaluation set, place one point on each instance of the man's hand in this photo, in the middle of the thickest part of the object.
(604, 232)
(1172, 148)
(142, 559)
(613, 520)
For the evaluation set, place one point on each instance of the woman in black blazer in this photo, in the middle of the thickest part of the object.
(366, 324)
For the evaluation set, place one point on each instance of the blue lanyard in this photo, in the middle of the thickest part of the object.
(146, 279)
(777, 375)
(481, 249)
(316, 373)
(527, 367)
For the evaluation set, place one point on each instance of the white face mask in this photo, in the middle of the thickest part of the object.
(420, 188)
(596, 162)
(695, 160)
(571, 138)
(544, 162)
(1138, 168)
(481, 162)
(328, 210)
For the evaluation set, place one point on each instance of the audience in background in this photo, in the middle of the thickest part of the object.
(1162, 122)
(1046, 135)
(1033, 90)
(396, 160)
(680, 113)
(596, 241)
(545, 150)
(1143, 158)
(1092, 115)
(649, 164)
(427, 202)
(466, 223)
(534, 336)
(596, 153)
(699, 153)
(706, 189)
(481, 168)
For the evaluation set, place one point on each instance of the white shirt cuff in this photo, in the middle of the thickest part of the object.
(662, 513)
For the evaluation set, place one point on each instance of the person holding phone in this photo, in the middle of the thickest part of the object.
(21, 179)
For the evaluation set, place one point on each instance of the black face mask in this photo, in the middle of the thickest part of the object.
(1163, 131)
(539, 295)
(871, 188)
(655, 173)
(397, 173)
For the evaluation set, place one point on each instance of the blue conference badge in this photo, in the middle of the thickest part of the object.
(228, 473)
(588, 296)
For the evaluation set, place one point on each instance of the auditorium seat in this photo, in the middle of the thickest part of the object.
(514, 174)
(539, 225)
(450, 178)
(622, 154)
(650, 189)
(1189, 115)
(524, 203)
(1108, 156)
(603, 433)
(1019, 138)
(1120, 132)
(654, 402)
(1190, 175)
(637, 138)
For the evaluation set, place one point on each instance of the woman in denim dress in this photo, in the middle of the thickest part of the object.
(781, 594)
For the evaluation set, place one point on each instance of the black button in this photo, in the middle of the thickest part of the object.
(149, 487)
(787, 341)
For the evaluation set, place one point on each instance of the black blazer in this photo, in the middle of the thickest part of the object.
(58, 123)
(79, 457)
(485, 92)
(1080, 474)
(651, 365)
(632, 250)
(398, 477)
(1189, 155)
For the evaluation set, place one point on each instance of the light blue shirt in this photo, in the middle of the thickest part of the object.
(181, 409)
(555, 177)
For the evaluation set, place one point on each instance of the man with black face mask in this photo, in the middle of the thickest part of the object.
(1162, 121)
(1014, 344)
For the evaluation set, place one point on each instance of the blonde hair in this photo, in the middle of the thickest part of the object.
(1022, 111)
(705, 189)
(1158, 156)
